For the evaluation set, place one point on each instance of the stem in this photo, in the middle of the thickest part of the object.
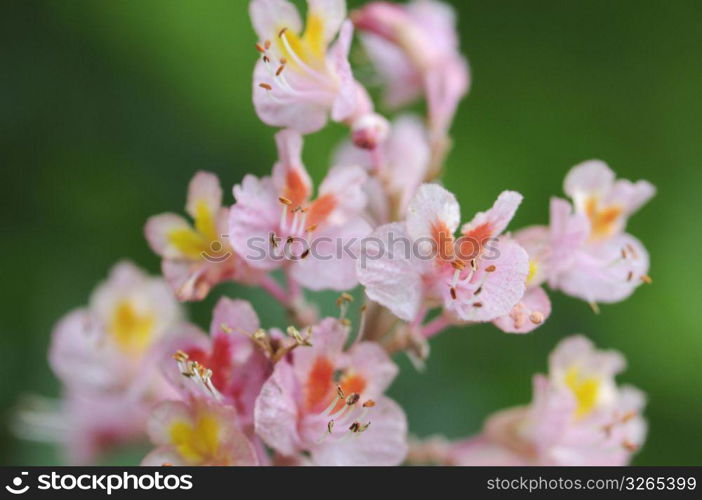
(275, 290)
(435, 326)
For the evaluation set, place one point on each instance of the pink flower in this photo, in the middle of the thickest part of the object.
(329, 402)
(415, 49)
(238, 367)
(109, 346)
(400, 166)
(195, 258)
(85, 425)
(275, 224)
(608, 264)
(579, 416)
(478, 277)
(197, 431)
(300, 79)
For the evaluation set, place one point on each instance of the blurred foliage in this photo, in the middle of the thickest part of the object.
(108, 108)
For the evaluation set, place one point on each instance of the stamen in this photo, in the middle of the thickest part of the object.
(265, 86)
(646, 279)
(452, 290)
(307, 69)
(536, 317)
(595, 308)
(477, 304)
(630, 275)
(260, 48)
(490, 269)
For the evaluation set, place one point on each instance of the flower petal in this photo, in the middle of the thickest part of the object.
(270, 16)
(276, 411)
(433, 208)
(496, 219)
(390, 275)
(331, 12)
(252, 220)
(158, 231)
(290, 178)
(528, 314)
(383, 443)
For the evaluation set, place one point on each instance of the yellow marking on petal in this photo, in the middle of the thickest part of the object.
(310, 48)
(205, 221)
(602, 219)
(314, 35)
(130, 328)
(533, 269)
(586, 390)
(188, 242)
(196, 443)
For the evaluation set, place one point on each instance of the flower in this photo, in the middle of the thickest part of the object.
(608, 264)
(399, 166)
(195, 258)
(238, 367)
(109, 346)
(274, 223)
(197, 432)
(477, 277)
(415, 49)
(579, 416)
(300, 79)
(328, 402)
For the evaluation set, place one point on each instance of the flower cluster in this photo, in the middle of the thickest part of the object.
(313, 392)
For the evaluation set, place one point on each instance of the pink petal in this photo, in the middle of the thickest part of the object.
(163, 416)
(270, 16)
(383, 443)
(157, 231)
(332, 12)
(276, 413)
(328, 339)
(370, 360)
(329, 266)
(501, 289)
(290, 178)
(161, 456)
(528, 314)
(252, 219)
(204, 189)
(599, 273)
(589, 178)
(345, 184)
(279, 108)
(498, 217)
(432, 207)
(390, 276)
(346, 100)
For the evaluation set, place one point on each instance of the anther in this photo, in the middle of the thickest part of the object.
(304, 254)
(226, 328)
(260, 48)
(477, 304)
(630, 276)
(267, 44)
(458, 265)
(284, 200)
(490, 269)
(536, 317)
(629, 446)
(477, 292)
(282, 32)
(369, 404)
(352, 399)
(646, 279)
(453, 293)
(279, 70)
(265, 86)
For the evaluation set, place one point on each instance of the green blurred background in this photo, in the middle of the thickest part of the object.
(108, 108)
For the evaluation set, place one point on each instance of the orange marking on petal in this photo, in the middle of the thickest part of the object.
(473, 241)
(321, 208)
(443, 238)
(602, 220)
(319, 384)
(296, 189)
